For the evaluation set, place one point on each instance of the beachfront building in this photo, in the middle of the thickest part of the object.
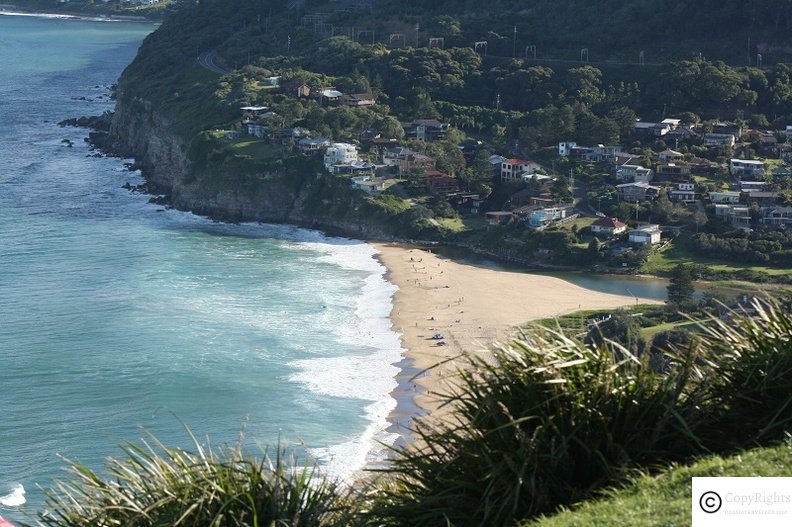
(645, 235)
(340, 154)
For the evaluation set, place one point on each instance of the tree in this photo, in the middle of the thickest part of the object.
(593, 251)
(680, 286)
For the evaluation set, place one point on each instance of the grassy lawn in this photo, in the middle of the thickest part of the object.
(649, 332)
(256, 148)
(677, 253)
(664, 499)
(581, 223)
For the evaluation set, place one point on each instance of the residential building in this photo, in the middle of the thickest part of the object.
(645, 234)
(541, 218)
(716, 139)
(499, 217)
(725, 197)
(684, 192)
(565, 149)
(601, 153)
(393, 155)
(777, 217)
(634, 192)
(761, 198)
(672, 172)
(413, 160)
(353, 167)
(358, 99)
(426, 129)
(633, 173)
(752, 186)
(340, 154)
(746, 167)
(513, 169)
(296, 88)
(649, 130)
(330, 95)
(738, 216)
(609, 227)
(670, 156)
(313, 144)
(440, 183)
(369, 185)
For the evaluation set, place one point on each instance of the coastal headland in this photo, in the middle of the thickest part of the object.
(473, 308)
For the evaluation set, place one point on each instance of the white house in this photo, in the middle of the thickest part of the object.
(669, 156)
(746, 167)
(340, 154)
(725, 197)
(564, 149)
(714, 139)
(608, 227)
(645, 234)
(512, 169)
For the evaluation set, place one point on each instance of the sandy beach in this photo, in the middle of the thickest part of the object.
(473, 308)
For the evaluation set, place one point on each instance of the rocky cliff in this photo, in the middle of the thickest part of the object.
(291, 190)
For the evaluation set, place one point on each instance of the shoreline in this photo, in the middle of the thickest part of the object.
(14, 10)
(473, 308)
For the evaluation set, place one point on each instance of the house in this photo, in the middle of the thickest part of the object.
(413, 160)
(601, 153)
(752, 186)
(728, 128)
(645, 234)
(339, 154)
(272, 81)
(672, 172)
(738, 216)
(499, 217)
(358, 99)
(513, 169)
(716, 139)
(651, 130)
(683, 133)
(331, 95)
(724, 197)
(669, 156)
(565, 149)
(464, 202)
(673, 124)
(633, 173)
(426, 129)
(634, 192)
(777, 217)
(746, 167)
(761, 198)
(684, 192)
(440, 183)
(288, 134)
(296, 88)
(369, 185)
(353, 167)
(392, 156)
(609, 227)
(539, 219)
(313, 144)
(254, 112)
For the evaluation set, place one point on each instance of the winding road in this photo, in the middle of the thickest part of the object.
(208, 60)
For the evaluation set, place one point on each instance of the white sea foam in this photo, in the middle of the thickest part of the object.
(369, 377)
(15, 498)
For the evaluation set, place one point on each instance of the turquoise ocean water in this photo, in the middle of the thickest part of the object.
(117, 314)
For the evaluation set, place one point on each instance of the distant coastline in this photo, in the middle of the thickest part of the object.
(15, 10)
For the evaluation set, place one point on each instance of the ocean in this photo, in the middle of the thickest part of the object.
(119, 316)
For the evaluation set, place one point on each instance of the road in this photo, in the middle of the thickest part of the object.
(208, 60)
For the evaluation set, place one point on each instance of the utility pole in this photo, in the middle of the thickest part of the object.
(514, 42)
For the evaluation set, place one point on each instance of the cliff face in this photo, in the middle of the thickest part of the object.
(284, 193)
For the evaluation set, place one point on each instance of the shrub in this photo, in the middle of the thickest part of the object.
(152, 485)
(544, 423)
